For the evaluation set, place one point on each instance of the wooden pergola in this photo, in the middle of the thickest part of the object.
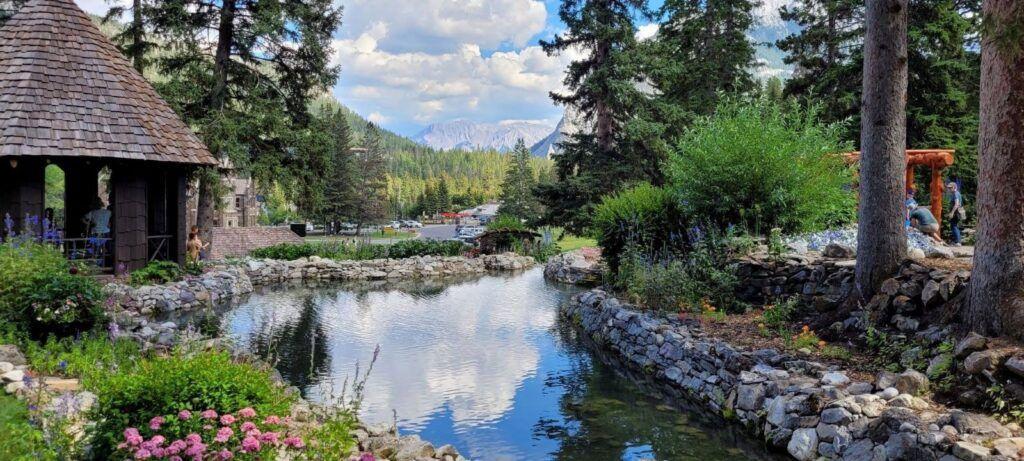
(936, 159)
(69, 98)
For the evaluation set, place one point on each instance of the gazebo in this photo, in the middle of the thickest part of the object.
(69, 98)
(935, 159)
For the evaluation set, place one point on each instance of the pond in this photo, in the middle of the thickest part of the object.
(484, 364)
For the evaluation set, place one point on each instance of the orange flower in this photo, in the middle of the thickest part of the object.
(806, 329)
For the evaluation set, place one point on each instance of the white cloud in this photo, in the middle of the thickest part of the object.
(99, 7)
(422, 87)
(443, 25)
(378, 118)
(767, 12)
(647, 31)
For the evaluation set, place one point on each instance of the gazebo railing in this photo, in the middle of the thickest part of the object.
(94, 250)
(160, 247)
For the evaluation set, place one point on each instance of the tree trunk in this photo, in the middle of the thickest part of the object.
(206, 201)
(603, 115)
(881, 237)
(137, 37)
(996, 300)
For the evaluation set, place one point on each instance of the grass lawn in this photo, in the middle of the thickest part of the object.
(572, 242)
(378, 235)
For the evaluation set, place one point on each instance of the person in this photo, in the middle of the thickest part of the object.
(923, 220)
(910, 204)
(97, 221)
(957, 212)
(201, 249)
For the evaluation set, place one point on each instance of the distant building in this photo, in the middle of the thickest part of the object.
(240, 207)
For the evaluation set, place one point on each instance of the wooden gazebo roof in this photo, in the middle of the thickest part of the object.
(66, 90)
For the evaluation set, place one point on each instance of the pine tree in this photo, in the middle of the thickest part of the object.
(444, 197)
(270, 59)
(604, 87)
(340, 177)
(996, 294)
(691, 31)
(371, 181)
(881, 235)
(133, 39)
(517, 198)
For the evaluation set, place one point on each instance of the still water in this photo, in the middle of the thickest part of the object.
(484, 364)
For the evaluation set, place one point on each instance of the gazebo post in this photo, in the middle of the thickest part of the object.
(935, 190)
(22, 193)
(910, 178)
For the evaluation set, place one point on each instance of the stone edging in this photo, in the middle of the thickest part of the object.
(800, 406)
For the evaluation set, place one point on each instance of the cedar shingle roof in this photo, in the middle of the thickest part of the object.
(65, 90)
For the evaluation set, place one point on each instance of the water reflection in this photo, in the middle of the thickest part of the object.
(484, 364)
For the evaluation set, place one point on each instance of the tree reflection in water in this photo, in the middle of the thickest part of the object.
(298, 349)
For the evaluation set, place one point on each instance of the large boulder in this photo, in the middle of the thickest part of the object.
(10, 354)
(839, 251)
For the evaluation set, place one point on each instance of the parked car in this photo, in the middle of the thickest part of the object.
(412, 224)
(395, 225)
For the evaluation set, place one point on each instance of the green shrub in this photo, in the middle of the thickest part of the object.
(760, 165)
(646, 218)
(166, 386)
(156, 273)
(90, 358)
(40, 294)
(506, 222)
(21, 441)
(343, 250)
(703, 276)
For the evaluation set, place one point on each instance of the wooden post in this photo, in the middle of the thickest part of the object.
(910, 178)
(935, 189)
(21, 193)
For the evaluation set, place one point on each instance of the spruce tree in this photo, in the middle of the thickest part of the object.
(691, 31)
(604, 88)
(517, 198)
(340, 176)
(371, 181)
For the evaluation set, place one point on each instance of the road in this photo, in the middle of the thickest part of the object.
(437, 232)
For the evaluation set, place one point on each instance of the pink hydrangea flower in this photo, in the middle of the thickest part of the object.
(250, 444)
(159, 452)
(176, 447)
(184, 415)
(174, 458)
(226, 454)
(143, 454)
(156, 422)
(272, 420)
(158, 440)
(367, 457)
(253, 433)
(295, 442)
(193, 439)
(223, 435)
(269, 437)
(248, 426)
(247, 412)
(196, 451)
(132, 437)
(209, 414)
(227, 420)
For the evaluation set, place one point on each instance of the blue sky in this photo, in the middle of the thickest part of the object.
(408, 63)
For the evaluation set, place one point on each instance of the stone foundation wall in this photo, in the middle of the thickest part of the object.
(800, 406)
(580, 267)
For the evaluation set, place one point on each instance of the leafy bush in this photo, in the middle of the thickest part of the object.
(21, 440)
(155, 273)
(700, 278)
(343, 250)
(40, 294)
(90, 358)
(761, 164)
(647, 218)
(506, 222)
(166, 386)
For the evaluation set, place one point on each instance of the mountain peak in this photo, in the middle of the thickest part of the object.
(468, 135)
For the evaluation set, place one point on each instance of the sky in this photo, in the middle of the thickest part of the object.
(408, 63)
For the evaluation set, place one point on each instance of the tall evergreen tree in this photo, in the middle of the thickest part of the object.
(996, 304)
(8, 8)
(371, 181)
(517, 189)
(249, 91)
(604, 87)
(881, 236)
(690, 32)
(133, 39)
(340, 178)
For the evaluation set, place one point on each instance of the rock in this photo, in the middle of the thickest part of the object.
(908, 401)
(750, 397)
(13, 376)
(839, 251)
(5, 367)
(930, 293)
(889, 393)
(804, 444)
(973, 423)
(14, 386)
(860, 388)
(916, 253)
(1010, 447)
(61, 384)
(970, 343)
(446, 450)
(912, 382)
(939, 365)
(412, 448)
(10, 354)
(980, 361)
(837, 416)
(834, 378)
(885, 379)
(968, 451)
(939, 252)
(861, 450)
(1015, 365)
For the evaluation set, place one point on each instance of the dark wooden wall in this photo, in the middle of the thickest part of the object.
(128, 197)
(81, 187)
(21, 192)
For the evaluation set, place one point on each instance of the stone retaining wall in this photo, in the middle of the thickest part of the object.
(799, 406)
(580, 267)
(228, 281)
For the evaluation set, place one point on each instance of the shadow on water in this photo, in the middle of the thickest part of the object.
(483, 363)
